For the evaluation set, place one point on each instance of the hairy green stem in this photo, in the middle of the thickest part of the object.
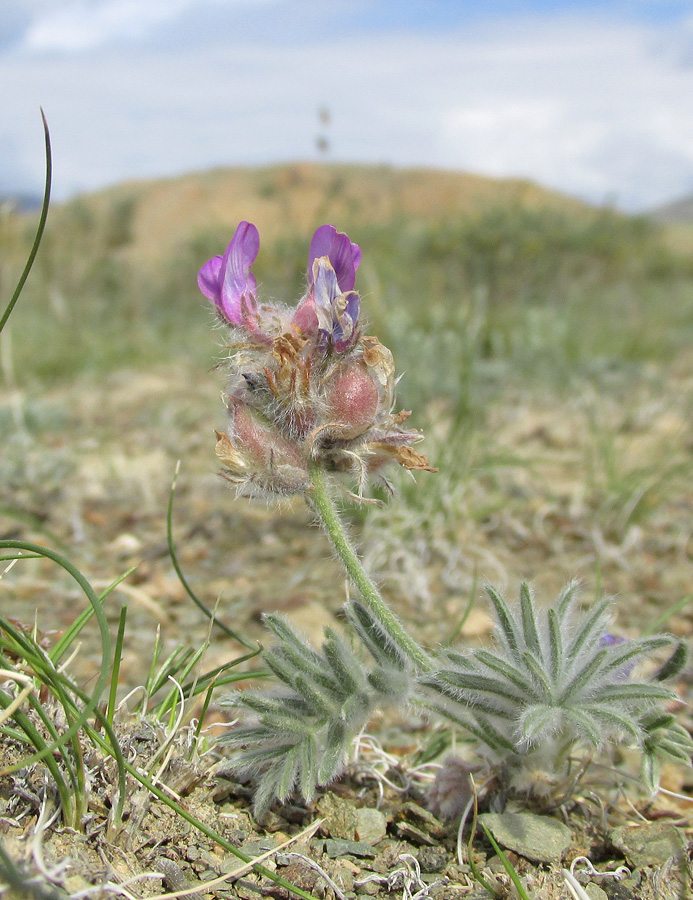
(324, 506)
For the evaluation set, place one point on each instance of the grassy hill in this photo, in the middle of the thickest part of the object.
(285, 200)
(469, 267)
(678, 211)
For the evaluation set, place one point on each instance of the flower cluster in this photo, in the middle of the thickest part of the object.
(306, 387)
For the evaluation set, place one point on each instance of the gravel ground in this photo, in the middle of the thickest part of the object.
(594, 486)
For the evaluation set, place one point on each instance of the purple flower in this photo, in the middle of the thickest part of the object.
(305, 384)
(344, 256)
(610, 640)
(337, 312)
(331, 306)
(227, 280)
(607, 641)
(329, 312)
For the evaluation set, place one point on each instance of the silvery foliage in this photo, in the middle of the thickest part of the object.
(552, 680)
(555, 680)
(299, 736)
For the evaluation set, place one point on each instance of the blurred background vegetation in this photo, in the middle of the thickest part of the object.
(499, 279)
(546, 349)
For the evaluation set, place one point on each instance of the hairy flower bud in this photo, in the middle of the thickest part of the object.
(258, 458)
(352, 399)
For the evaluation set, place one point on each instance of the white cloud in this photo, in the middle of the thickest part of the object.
(597, 111)
(592, 107)
(82, 25)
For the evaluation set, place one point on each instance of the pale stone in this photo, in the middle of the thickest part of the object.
(539, 838)
(371, 825)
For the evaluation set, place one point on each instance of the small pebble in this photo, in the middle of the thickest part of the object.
(370, 888)
(339, 815)
(648, 845)
(413, 834)
(422, 819)
(371, 825)
(432, 859)
(539, 838)
(257, 848)
(594, 892)
(335, 848)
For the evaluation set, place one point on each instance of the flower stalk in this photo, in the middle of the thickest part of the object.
(323, 504)
(309, 398)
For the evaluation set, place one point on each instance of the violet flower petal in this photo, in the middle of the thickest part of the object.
(344, 256)
(610, 640)
(228, 281)
(345, 318)
(239, 282)
(337, 312)
(325, 292)
(613, 640)
(352, 307)
(208, 278)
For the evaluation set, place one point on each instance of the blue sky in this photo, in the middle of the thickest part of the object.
(591, 98)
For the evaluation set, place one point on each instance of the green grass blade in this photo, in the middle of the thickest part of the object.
(213, 835)
(63, 644)
(112, 746)
(203, 711)
(667, 614)
(151, 675)
(25, 647)
(30, 735)
(39, 231)
(217, 676)
(174, 695)
(117, 656)
(171, 665)
(102, 677)
(476, 871)
(507, 865)
(183, 580)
